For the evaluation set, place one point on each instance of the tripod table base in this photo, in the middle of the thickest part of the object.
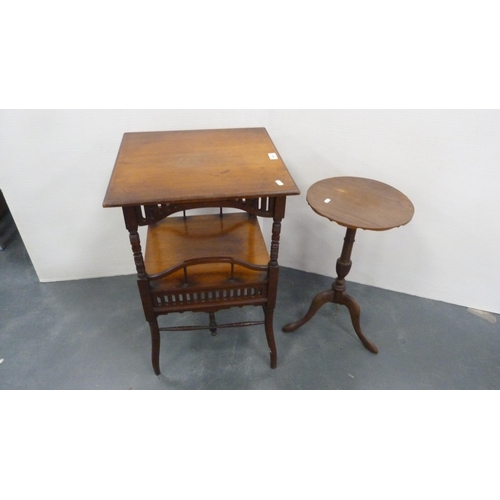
(335, 298)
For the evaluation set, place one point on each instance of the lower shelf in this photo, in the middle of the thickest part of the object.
(232, 242)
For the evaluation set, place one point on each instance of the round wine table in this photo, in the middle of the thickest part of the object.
(355, 203)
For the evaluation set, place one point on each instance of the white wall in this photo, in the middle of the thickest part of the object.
(54, 171)
(55, 166)
(446, 162)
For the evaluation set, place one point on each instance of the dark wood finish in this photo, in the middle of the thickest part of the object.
(354, 203)
(360, 203)
(202, 262)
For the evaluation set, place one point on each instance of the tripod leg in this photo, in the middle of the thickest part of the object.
(355, 312)
(320, 299)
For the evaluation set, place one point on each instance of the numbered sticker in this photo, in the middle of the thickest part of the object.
(272, 156)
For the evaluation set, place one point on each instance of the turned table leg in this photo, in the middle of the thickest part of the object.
(337, 295)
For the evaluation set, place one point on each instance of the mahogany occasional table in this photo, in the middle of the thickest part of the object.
(202, 262)
(355, 203)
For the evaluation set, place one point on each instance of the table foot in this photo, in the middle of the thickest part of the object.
(268, 320)
(320, 299)
(155, 346)
(355, 312)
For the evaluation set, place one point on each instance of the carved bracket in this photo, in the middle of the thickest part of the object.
(149, 214)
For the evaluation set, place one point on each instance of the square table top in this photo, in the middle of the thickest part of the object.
(197, 165)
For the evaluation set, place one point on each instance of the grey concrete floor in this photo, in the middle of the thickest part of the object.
(91, 334)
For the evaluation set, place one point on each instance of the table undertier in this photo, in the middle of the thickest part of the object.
(207, 258)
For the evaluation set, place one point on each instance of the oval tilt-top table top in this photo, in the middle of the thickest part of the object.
(359, 203)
